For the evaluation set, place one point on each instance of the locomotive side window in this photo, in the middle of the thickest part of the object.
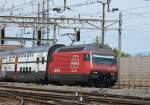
(42, 60)
(37, 60)
(87, 57)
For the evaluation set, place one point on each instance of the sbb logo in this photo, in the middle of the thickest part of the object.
(74, 63)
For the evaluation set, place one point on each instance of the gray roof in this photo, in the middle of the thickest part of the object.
(26, 50)
(95, 48)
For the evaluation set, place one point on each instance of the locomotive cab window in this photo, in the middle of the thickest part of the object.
(115, 61)
(100, 59)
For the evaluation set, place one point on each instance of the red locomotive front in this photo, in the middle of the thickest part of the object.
(83, 64)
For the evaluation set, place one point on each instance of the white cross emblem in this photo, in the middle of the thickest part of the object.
(75, 63)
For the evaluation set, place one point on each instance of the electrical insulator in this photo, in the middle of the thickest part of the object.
(2, 35)
(78, 35)
(39, 37)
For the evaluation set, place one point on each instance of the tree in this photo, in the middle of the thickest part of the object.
(98, 40)
(123, 54)
(116, 52)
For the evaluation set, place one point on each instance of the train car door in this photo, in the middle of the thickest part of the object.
(42, 66)
(8, 67)
(38, 62)
(15, 68)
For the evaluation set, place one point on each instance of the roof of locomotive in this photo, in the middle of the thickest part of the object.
(38, 49)
(95, 48)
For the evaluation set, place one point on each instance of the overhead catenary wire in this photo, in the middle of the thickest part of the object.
(17, 6)
(28, 4)
(135, 8)
(61, 7)
(136, 31)
(87, 2)
(23, 5)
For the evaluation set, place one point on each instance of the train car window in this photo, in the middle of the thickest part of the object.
(20, 69)
(30, 69)
(42, 60)
(24, 69)
(27, 55)
(37, 60)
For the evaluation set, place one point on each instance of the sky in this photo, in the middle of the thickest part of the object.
(135, 29)
(136, 23)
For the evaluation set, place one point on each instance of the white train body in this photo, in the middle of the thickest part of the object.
(24, 65)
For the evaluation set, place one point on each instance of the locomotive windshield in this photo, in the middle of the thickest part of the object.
(98, 59)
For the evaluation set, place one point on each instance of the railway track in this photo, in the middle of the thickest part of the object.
(10, 99)
(56, 97)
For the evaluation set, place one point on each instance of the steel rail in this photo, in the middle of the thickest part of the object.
(6, 94)
(88, 97)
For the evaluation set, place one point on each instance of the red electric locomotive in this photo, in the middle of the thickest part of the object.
(91, 64)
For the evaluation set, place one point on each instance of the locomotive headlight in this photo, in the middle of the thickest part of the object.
(113, 73)
(95, 72)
